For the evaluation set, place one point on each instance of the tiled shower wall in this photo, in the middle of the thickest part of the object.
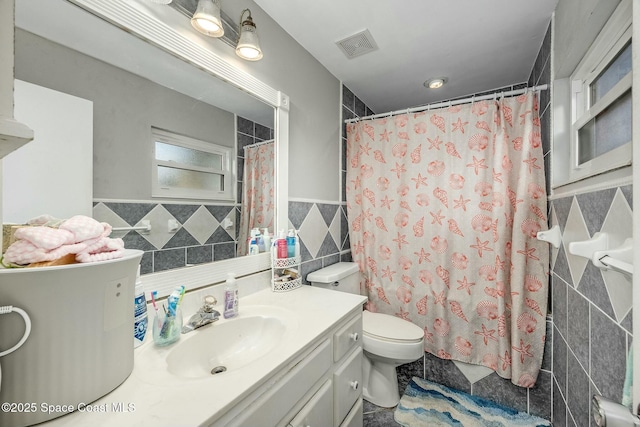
(592, 331)
(201, 238)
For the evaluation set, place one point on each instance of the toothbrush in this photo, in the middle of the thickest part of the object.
(153, 300)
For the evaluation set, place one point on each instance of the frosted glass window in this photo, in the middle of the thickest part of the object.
(189, 168)
(608, 130)
(189, 156)
(180, 178)
(612, 74)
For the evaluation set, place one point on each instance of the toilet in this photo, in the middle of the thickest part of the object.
(387, 341)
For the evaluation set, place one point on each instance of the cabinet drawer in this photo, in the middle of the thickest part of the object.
(347, 385)
(317, 412)
(271, 407)
(347, 337)
(355, 417)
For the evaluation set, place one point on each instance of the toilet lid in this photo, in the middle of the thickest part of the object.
(389, 327)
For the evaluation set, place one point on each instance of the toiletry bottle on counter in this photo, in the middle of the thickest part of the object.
(266, 238)
(141, 320)
(231, 297)
(282, 245)
(291, 244)
(254, 249)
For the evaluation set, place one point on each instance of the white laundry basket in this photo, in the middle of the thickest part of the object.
(81, 342)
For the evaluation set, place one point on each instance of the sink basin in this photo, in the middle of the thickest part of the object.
(225, 346)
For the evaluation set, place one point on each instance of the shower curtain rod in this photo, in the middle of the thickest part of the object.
(259, 143)
(449, 103)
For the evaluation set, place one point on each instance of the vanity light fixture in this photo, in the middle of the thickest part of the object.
(206, 18)
(435, 83)
(248, 46)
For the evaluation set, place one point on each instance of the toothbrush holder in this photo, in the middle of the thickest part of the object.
(167, 328)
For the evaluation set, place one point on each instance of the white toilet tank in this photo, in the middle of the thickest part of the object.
(342, 276)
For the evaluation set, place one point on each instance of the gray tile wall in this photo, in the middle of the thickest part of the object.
(592, 314)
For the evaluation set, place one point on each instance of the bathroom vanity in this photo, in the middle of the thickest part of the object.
(296, 361)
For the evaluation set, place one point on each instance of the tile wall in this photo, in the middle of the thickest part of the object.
(592, 313)
(201, 237)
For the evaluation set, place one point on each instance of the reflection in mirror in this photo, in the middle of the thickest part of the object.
(256, 214)
(135, 88)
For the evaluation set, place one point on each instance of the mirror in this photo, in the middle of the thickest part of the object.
(169, 56)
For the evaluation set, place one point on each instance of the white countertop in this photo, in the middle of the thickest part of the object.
(156, 398)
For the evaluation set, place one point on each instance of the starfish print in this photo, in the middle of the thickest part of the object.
(399, 169)
(506, 360)
(487, 334)
(365, 148)
(384, 136)
(496, 176)
(509, 219)
(439, 298)
(420, 180)
(428, 335)
(400, 240)
(367, 214)
(478, 164)
(387, 272)
(528, 253)
(434, 143)
(461, 203)
(465, 285)
(386, 202)
(523, 117)
(531, 162)
(459, 125)
(422, 256)
(499, 263)
(523, 350)
(437, 217)
(356, 182)
(481, 246)
(403, 314)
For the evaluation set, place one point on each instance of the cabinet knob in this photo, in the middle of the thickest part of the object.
(354, 336)
(354, 385)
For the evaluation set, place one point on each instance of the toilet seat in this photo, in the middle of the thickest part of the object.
(389, 328)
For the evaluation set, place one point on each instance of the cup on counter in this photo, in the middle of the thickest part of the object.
(167, 327)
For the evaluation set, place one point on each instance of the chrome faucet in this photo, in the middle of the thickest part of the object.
(205, 315)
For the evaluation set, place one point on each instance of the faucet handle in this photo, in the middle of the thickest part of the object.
(208, 302)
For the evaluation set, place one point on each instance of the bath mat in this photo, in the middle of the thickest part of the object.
(426, 403)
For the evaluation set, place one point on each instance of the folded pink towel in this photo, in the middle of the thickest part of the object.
(80, 235)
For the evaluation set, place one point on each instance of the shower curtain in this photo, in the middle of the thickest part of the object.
(443, 209)
(257, 192)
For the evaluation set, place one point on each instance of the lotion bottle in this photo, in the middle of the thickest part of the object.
(230, 297)
(282, 245)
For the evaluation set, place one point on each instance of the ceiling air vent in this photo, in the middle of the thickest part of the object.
(357, 44)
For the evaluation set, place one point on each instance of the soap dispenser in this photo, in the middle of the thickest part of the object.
(230, 297)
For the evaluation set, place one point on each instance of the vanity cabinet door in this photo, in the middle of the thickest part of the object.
(355, 417)
(317, 412)
(347, 384)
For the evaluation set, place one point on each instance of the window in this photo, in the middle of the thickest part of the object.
(601, 101)
(188, 168)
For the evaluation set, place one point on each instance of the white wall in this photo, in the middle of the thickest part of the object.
(53, 173)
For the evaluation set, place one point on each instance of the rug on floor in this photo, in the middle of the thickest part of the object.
(426, 403)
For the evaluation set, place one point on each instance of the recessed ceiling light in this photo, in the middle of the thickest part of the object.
(435, 83)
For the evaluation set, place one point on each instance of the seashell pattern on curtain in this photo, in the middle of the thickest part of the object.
(443, 210)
